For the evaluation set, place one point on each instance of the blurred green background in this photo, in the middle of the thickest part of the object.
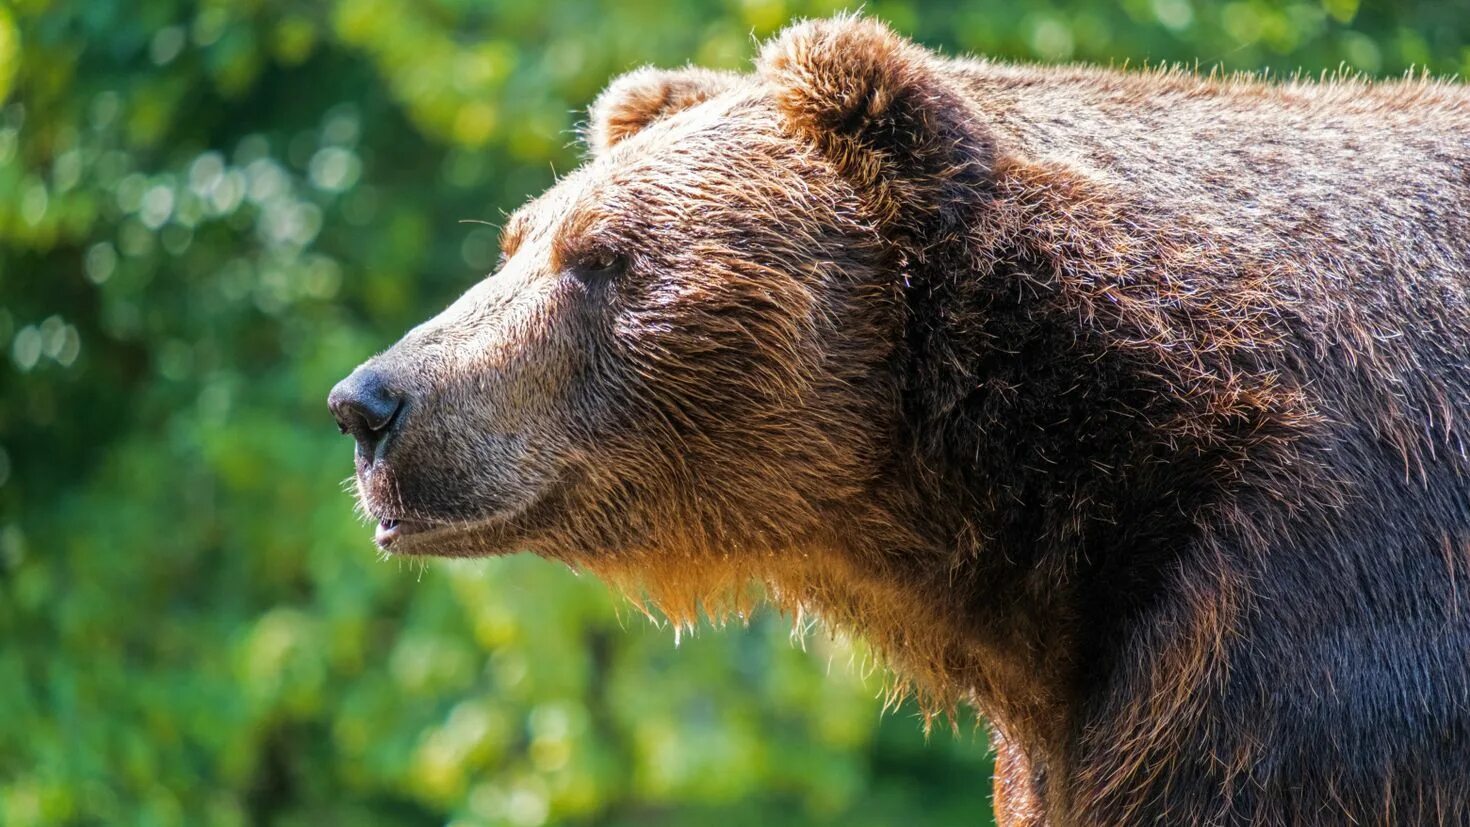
(209, 212)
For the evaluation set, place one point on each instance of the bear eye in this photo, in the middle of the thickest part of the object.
(599, 265)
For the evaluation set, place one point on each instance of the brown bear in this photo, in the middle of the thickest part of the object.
(1129, 408)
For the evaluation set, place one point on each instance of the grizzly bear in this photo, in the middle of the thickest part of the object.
(1129, 408)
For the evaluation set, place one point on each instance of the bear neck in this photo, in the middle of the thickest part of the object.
(1060, 485)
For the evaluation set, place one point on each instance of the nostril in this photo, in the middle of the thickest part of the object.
(377, 413)
(365, 406)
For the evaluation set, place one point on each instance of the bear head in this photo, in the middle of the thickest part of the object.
(689, 366)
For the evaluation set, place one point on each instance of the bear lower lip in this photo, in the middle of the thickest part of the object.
(390, 529)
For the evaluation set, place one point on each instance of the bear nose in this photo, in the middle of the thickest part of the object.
(365, 406)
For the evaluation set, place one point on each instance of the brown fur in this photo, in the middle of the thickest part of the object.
(1128, 408)
(639, 98)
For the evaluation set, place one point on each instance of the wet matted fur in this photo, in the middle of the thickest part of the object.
(1130, 408)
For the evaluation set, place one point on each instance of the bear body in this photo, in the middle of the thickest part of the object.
(1131, 409)
(1307, 656)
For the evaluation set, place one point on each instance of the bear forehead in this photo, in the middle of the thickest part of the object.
(720, 142)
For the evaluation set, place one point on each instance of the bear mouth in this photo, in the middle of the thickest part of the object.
(469, 534)
(391, 529)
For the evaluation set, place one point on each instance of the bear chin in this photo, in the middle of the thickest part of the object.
(416, 538)
(493, 534)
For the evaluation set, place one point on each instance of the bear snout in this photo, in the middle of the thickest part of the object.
(367, 406)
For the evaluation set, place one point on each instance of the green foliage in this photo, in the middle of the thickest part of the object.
(209, 212)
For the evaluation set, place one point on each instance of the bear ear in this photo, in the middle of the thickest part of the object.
(642, 96)
(882, 110)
